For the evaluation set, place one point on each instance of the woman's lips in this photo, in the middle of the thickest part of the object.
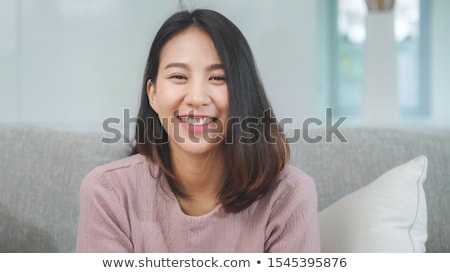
(196, 124)
(196, 120)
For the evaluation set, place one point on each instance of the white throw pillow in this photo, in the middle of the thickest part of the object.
(388, 215)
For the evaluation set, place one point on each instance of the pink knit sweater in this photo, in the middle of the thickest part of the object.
(124, 209)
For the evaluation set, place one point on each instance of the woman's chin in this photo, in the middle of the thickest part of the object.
(196, 147)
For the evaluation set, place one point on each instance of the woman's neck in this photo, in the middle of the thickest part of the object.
(201, 177)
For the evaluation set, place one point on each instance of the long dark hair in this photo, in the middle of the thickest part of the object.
(255, 154)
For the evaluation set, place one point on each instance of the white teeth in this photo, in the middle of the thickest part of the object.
(196, 121)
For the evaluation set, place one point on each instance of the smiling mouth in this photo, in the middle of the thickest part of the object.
(197, 121)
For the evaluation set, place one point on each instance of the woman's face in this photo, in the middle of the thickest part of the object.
(190, 93)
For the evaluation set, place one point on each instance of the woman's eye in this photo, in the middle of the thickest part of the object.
(217, 78)
(178, 77)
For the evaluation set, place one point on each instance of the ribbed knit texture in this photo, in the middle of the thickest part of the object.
(124, 209)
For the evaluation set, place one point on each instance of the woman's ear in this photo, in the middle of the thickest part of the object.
(151, 93)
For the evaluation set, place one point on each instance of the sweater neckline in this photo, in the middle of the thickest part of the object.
(173, 204)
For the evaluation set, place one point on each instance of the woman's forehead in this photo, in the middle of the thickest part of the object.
(189, 47)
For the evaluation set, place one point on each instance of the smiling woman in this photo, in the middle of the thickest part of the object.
(193, 184)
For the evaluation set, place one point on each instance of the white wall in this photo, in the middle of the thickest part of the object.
(70, 64)
(8, 58)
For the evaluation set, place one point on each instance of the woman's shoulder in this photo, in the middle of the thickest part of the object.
(119, 172)
(293, 177)
(295, 183)
(124, 164)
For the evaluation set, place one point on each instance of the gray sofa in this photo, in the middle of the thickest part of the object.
(41, 171)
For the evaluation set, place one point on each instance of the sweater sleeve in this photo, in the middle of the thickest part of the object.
(293, 224)
(103, 222)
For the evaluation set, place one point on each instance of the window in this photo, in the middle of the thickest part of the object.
(347, 46)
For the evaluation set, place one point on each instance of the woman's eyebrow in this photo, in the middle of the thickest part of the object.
(180, 65)
(185, 66)
(214, 67)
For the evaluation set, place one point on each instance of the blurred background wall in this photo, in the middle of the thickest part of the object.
(71, 64)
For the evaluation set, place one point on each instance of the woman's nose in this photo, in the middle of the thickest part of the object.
(197, 94)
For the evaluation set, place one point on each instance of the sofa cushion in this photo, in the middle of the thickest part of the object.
(340, 168)
(388, 215)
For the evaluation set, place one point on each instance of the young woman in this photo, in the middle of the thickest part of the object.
(210, 168)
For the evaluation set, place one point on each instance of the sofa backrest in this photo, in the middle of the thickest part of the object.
(41, 171)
